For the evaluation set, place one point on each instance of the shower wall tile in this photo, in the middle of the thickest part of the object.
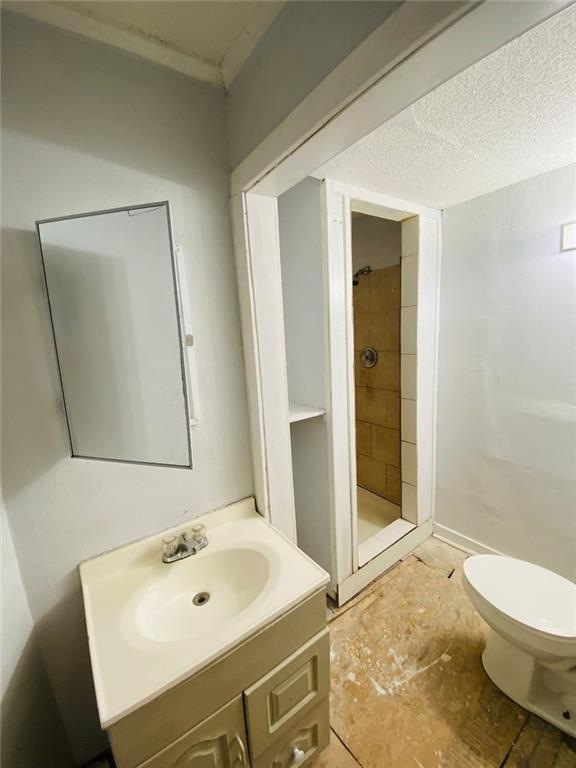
(409, 503)
(386, 445)
(408, 376)
(363, 438)
(408, 366)
(390, 340)
(371, 474)
(410, 236)
(409, 281)
(408, 420)
(385, 289)
(409, 474)
(384, 375)
(393, 484)
(361, 295)
(408, 331)
(363, 330)
(377, 300)
(378, 406)
(380, 330)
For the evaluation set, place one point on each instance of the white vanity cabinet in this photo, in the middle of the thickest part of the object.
(263, 704)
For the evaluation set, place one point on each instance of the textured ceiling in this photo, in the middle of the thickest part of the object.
(218, 35)
(507, 118)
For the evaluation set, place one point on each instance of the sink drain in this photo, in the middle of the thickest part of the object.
(201, 598)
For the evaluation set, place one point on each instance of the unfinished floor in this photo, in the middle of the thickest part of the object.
(408, 689)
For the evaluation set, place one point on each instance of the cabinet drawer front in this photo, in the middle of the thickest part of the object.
(292, 688)
(217, 742)
(306, 739)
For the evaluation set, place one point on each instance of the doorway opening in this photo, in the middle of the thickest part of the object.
(376, 287)
(384, 256)
(348, 285)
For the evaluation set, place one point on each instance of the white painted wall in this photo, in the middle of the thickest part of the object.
(87, 127)
(507, 372)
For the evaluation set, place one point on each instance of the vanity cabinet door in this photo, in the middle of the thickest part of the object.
(217, 742)
(305, 740)
(278, 700)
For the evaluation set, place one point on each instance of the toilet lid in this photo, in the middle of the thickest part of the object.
(527, 593)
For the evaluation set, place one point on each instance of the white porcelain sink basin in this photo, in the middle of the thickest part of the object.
(200, 595)
(151, 625)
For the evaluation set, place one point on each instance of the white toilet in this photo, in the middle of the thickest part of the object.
(530, 653)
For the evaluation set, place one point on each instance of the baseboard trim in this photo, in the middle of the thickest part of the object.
(465, 543)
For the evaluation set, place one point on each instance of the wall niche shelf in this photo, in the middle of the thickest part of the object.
(301, 412)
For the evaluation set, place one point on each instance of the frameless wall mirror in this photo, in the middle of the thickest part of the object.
(112, 284)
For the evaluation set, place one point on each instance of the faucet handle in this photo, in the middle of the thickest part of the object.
(170, 545)
(198, 532)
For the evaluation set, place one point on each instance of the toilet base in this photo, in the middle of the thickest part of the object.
(548, 693)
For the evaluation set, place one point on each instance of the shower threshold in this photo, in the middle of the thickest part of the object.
(385, 538)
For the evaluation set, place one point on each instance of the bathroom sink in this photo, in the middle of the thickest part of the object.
(201, 594)
(153, 624)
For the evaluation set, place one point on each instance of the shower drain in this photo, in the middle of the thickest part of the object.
(201, 598)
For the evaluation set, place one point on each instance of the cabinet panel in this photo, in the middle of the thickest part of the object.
(294, 687)
(217, 742)
(306, 739)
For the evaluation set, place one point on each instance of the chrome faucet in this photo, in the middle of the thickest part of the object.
(188, 543)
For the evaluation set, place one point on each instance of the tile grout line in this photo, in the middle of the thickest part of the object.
(352, 755)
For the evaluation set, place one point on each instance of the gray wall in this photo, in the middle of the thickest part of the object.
(87, 127)
(507, 372)
(303, 45)
(301, 257)
(375, 242)
(32, 734)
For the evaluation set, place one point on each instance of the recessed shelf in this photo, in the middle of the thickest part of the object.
(301, 412)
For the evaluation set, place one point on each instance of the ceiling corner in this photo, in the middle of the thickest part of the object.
(239, 51)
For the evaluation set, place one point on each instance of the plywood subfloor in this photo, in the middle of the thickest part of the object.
(408, 688)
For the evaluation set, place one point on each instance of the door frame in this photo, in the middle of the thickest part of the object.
(310, 136)
(342, 199)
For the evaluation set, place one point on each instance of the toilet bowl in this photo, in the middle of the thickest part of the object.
(530, 652)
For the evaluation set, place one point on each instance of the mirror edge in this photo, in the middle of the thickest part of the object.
(185, 371)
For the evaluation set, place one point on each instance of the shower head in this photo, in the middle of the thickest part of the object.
(359, 273)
